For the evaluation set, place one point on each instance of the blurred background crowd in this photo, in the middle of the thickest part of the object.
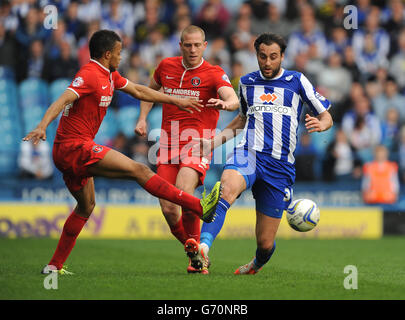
(360, 70)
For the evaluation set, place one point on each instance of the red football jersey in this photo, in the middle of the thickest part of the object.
(202, 83)
(94, 85)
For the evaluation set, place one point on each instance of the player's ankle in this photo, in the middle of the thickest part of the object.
(204, 247)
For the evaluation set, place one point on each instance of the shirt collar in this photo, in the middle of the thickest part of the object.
(95, 61)
(199, 65)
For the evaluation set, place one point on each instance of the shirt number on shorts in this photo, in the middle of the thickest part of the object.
(287, 194)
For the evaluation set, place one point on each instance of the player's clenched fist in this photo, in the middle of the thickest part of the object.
(141, 128)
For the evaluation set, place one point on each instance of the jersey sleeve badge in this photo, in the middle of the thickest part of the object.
(77, 82)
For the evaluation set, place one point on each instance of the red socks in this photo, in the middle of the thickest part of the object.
(160, 188)
(191, 225)
(178, 231)
(71, 229)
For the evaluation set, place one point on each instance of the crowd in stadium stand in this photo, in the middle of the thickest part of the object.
(361, 70)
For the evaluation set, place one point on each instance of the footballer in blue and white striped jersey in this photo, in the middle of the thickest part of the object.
(271, 102)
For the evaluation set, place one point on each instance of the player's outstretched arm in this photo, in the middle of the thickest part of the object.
(206, 146)
(39, 133)
(320, 123)
(145, 93)
(228, 100)
(141, 127)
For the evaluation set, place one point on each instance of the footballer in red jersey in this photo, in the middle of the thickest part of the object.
(79, 158)
(187, 76)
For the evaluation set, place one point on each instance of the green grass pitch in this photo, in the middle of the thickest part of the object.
(156, 269)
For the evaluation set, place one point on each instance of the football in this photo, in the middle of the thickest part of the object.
(303, 215)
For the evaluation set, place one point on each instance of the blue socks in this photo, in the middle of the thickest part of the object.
(209, 231)
(263, 256)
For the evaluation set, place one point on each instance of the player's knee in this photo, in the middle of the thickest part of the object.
(85, 210)
(229, 192)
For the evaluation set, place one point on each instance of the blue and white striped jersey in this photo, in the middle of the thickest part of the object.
(273, 108)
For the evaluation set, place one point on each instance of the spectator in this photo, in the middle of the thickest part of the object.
(154, 45)
(401, 153)
(259, 9)
(236, 73)
(213, 18)
(73, 24)
(137, 72)
(140, 152)
(395, 22)
(89, 10)
(120, 143)
(217, 54)
(118, 16)
(371, 44)
(349, 63)
(302, 40)
(150, 22)
(335, 81)
(244, 11)
(29, 29)
(363, 128)
(380, 183)
(390, 98)
(397, 64)
(35, 161)
(59, 35)
(247, 57)
(8, 19)
(64, 66)
(390, 127)
(339, 41)
(7, 49)
(308, 67)
(274, 22)
(34, 65)
(340, 163)
(241, 35)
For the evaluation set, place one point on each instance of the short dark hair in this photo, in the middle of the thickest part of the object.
(270, 38)
(102, 41)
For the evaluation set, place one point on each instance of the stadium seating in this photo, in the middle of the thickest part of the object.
(108, 129)
(127, 117)
(10, 123)
(155, 118)
(33, 91)
(57, 87)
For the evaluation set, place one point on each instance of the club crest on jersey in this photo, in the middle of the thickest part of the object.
(77, 82)
(268, 97)
(196, 81)
(97, 149)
